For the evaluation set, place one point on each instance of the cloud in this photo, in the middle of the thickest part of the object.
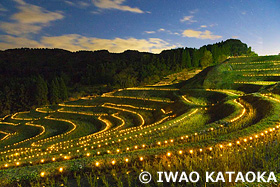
(29, 19)
(203, 26)
(9, 42)
(19, 28)
(150, 32)
(2, 8)
(161, 30)
(194, 11)
(115, 4)
(75, 42)
(188, 19)
(235, 37)
(79, 4)
(200, 34)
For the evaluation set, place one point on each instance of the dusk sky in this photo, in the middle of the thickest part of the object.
(144, 25)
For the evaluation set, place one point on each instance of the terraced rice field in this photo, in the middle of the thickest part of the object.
(108, 140)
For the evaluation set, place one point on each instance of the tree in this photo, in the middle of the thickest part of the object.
(206, 59)
(63, 90)
(195, 58)
(41, 92)
(186, 59)
(54, 92)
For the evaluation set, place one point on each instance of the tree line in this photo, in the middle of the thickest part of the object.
(36, 77)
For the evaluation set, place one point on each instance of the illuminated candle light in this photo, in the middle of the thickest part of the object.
(42, 174)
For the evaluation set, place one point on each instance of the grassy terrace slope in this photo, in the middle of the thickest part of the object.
(224, 118)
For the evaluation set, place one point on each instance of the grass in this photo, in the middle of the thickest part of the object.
(220, 129)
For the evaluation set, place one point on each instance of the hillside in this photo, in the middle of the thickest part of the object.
(31, 78)
(245, 74)
(227, 116)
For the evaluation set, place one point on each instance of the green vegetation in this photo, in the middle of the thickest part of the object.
(226, 118)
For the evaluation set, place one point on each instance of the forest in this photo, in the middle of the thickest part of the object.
(34, 77)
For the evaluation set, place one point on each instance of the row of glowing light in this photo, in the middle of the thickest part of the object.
(43, 111)
(256, 82)
(262, 75)
(230, 92)
(6, 135)
(141, 128)
(195, 111)
(211, 129)
(119, 139)
(181, 119)
(151, 88)
(27, 119)
(142, 119)
(140, 98)
(264, 69)
(243, 112)
(191, 102)
(100, 132)
(159, 143)
(244, 140)
(61, 110)
(28, 139)
(58, 136)
(124, 133)
(108, 123)
(169, 153)
(260, 62)
(111, 106)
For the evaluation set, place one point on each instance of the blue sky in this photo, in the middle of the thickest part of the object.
(144, 25)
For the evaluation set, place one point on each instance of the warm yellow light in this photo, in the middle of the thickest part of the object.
(60, 169)
(141, 158)
(168, 154)
(88, 154)
(42, 161)
(245, 140)
(98, 153)
(180, 152)
(126, 160)
(191, 151)
(221, 146)
(113, 162)
(127, 148)
(96, 164)
(238, 142)
(118, 150)
(200, 150)
(210, 148)
(17, 163)
(158, 143)
(135, 147)
(6, 165)
(143, 145)
(42, 174)
(230, 144)
(256, 136)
